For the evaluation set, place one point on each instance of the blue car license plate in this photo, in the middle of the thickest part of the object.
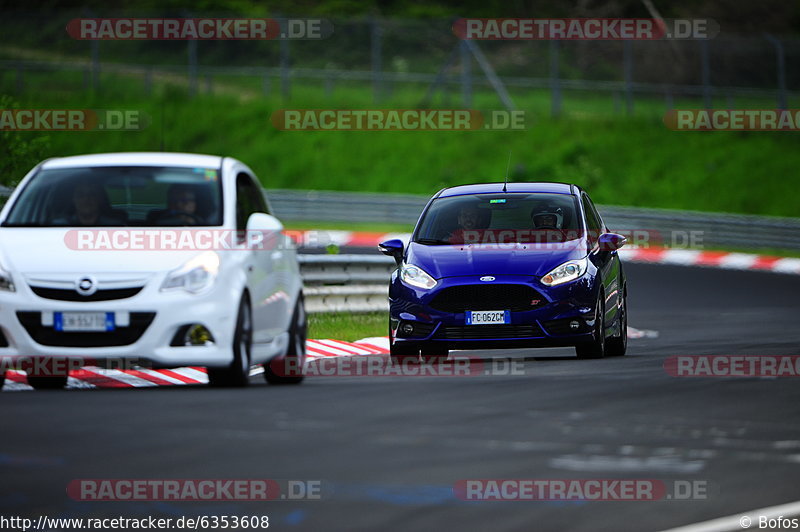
(488, 317)
(83, 321)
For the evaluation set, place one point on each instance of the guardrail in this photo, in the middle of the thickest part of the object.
(717, 230)
(346, 283)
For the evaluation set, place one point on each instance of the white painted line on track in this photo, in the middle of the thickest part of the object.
(743, 520)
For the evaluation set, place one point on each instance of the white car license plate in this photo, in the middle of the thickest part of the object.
(486, 317)
(83, 321)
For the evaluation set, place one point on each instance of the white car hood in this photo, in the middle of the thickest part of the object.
(44, 250)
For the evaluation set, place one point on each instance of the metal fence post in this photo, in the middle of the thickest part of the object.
(704, 56)
(492, 77)
(148, 81)
(95, 65)
(466, 76)
(779, 56)
(376, 52)
(627, 54)
(328, 86)
(555, 82)
(285, 87)
(265, 84)
(192, 44)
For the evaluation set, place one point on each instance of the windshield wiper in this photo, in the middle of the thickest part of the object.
(432, 241)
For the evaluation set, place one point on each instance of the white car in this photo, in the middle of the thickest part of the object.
(159, 259)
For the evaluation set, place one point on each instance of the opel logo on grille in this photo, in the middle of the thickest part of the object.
(487, 278)
(86, 286)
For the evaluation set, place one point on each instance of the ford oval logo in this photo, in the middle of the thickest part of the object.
(487, 278)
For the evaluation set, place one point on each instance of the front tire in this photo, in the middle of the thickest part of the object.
(237, 375)
(50, 382)
(597, 346)
(434, 355)
(288, 369)
(618, 345)
(403, 353)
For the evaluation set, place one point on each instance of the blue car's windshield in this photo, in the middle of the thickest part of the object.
(500, 218)
(119, 196)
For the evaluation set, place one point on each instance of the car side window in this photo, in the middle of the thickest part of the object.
(593, 223)
(258, 199)
(249, 199)
(600, 221)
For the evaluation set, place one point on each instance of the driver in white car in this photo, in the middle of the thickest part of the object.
(181, 206)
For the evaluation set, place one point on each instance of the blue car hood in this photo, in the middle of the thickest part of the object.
(492, 259)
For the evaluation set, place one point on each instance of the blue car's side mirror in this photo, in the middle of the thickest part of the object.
(392, 248)
(611, 241)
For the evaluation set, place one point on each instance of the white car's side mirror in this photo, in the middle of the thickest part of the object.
(266, 223)
(262, 228)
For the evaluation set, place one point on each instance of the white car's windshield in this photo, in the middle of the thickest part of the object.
(119, 196)
(500, 218)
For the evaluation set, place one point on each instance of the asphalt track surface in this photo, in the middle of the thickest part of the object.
(389, 450)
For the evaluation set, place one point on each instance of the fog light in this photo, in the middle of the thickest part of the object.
(574, 325)
(407, 329)
(198, 335)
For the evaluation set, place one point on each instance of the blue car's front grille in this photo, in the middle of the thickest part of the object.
(478, 332)
(513, 297)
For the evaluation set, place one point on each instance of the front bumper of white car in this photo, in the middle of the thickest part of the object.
(149, 326)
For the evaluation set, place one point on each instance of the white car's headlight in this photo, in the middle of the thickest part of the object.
(569, 271)
(5, 280)
(196, 275)
(416, 276)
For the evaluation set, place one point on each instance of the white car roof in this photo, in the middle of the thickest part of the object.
(191, 160)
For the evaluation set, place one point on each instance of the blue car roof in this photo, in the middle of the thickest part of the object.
(493, 188)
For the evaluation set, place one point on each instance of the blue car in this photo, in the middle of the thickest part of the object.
(516, 265)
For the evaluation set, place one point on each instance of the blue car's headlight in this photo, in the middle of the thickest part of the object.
(416, 276)
(569, 271)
